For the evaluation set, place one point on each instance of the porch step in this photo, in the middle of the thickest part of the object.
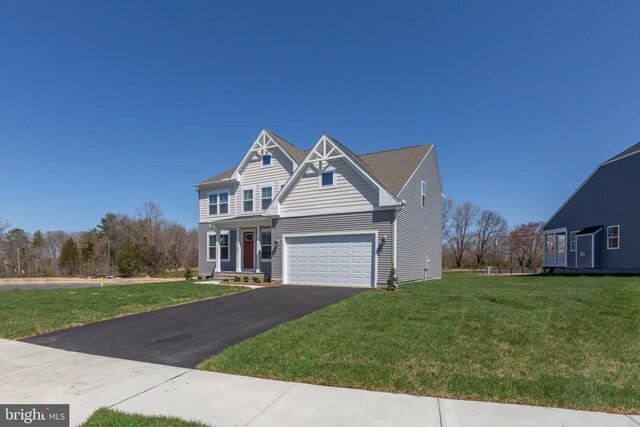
(231, 276)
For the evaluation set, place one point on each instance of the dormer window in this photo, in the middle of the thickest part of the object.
(328, 178)
(266, 160)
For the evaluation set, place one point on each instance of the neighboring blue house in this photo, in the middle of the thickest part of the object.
(598, 229)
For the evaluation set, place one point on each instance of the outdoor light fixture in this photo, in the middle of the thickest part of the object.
(383, 239)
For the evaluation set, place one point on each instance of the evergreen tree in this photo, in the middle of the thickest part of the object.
(69, 257)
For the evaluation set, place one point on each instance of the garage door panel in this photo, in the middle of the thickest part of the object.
(344, 260)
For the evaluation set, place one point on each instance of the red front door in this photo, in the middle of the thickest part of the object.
(248, 250)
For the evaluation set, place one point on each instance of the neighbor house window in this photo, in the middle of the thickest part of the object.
(424, 194)
(266, 196)
(574, 241)
(265, 244)
(613, 237)
(218, 203)
(211, 246)
(247, 200)
(328, 178)
(266, 160)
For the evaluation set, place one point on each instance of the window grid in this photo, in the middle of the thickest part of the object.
(247, 200)
(613, 237)
(265, 244)
(266, 196)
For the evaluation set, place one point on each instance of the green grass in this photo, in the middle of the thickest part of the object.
(554, 341)
(107, 417)
(29, 312)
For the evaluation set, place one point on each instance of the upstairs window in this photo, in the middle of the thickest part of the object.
(328, 178)
(613, 237)
(265, 244)
(424, 194)
(266, 197)
(213, 204)
(247, 200)
(266, 160)
(574, 241)
(219, 203)
(223, 203)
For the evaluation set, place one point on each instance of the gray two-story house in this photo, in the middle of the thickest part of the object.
(323, 216)
(598, 228)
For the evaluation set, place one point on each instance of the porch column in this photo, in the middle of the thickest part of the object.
(258, 249)
(217, 269)
(238, 251)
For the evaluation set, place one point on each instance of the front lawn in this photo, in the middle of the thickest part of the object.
(556, 341)
(34, 311)
(107, 417)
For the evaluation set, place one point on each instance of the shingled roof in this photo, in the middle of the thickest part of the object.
(391, 168)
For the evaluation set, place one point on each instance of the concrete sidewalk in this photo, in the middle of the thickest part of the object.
(35, 374)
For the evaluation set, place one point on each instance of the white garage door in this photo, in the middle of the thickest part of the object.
(345, 260)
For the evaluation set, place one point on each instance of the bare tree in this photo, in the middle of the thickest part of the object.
(490, 226)
(459, 235)
(525, 241)
(447, 210)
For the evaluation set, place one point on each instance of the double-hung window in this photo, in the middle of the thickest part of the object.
(266, 197)
(211, 246)
(613, 237)
(247, 200)
(574, 241)
(423, 190)
(219, 203)
(265, 244)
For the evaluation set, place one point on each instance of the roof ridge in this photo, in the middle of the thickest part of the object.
(395, 149)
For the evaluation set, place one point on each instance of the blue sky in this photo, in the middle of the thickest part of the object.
(106, 105)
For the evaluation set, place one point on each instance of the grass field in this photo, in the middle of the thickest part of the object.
(107, 417)
(555, 341)
(29, 312)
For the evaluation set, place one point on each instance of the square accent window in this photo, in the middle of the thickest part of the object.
(423, 190)
(613, 237)
(265, 244)
(574, 241)
(266, 197)
(266, 160)
(247, 200)
(328, 179)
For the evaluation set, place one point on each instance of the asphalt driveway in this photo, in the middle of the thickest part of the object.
(185, 335)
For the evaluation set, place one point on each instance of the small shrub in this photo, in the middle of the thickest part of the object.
(225, 280)
(236, 279)
(392, 280)
(188, 274)
(245, 279)
(257, 280)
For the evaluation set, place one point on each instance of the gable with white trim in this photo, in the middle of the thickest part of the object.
(351, 189)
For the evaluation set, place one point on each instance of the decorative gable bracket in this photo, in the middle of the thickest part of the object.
(262, 145)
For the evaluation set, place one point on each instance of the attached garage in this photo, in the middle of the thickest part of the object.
(341, 259)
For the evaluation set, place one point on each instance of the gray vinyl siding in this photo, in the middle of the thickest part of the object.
(420, 229)
(351, 189)
(610, 197)
(254, 176)
(381, 220)
(203, 203)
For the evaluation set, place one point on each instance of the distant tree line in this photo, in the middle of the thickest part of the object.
(146, 243)
(476, 238)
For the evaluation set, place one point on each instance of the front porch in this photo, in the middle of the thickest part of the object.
(555, 248)
(240, 246)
